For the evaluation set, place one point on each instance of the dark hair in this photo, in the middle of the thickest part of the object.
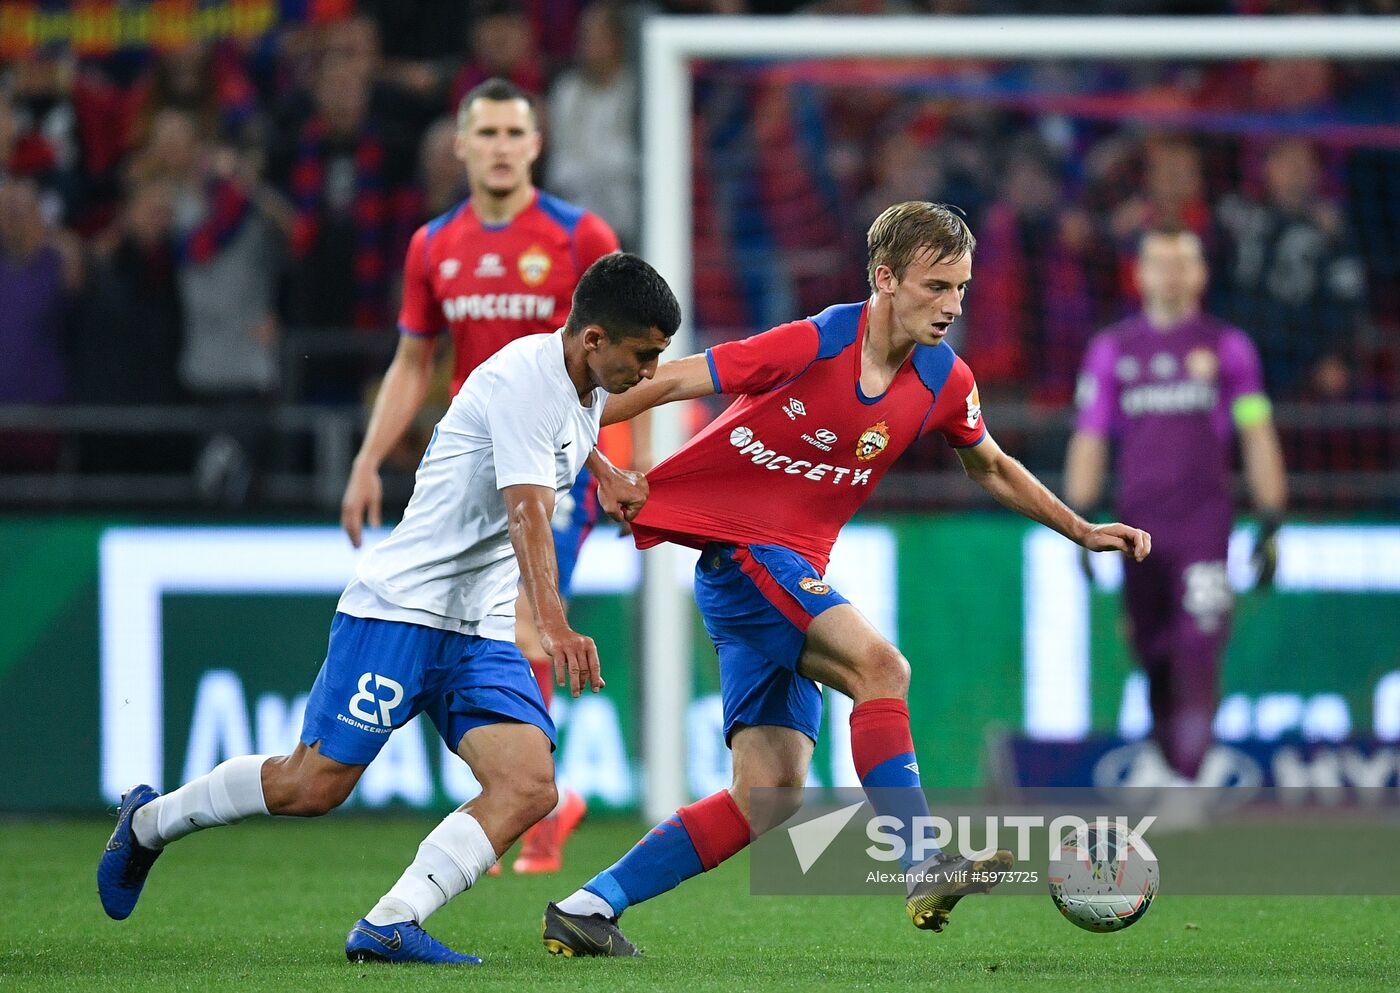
(497, 90)
(626, 297)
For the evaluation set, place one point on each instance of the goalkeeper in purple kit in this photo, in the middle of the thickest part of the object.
(1169, 388)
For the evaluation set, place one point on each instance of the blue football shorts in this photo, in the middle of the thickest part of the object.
(378, 675)
(756, 602)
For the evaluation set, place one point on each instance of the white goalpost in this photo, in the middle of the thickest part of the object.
(669, 44)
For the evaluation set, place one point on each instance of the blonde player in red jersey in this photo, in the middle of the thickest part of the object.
(823, 408)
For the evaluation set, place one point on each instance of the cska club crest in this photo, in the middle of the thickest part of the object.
(534, 265)
(872, 441)
(814, 586)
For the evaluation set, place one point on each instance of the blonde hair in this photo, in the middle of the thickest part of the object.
(906, 229)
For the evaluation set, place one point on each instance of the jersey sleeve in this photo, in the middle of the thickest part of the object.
(764, 361)
(523, 427)
(1242, 379)
(957, 410)
(419, 314)
(1096, 394)
(592, 240)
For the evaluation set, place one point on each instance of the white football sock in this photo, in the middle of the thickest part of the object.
(231, 793)
(450, 859)
(584, 903)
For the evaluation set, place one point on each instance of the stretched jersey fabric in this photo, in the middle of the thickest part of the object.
(490, 284)
(793, 459)
(1165, 398)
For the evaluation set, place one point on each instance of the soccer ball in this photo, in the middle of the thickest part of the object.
(1104, 879)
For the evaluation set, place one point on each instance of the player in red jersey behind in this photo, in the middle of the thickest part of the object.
(825, 406)
(500, 265)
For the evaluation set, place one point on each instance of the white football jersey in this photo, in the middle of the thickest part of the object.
(449, 564)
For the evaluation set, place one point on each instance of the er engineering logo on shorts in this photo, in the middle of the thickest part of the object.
(366, 695)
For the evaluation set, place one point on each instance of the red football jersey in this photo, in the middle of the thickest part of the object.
(491, 284)
(794, 458)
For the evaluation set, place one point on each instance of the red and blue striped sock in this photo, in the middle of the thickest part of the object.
(694, 839)
(883, 749)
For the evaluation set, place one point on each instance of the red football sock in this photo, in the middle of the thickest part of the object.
(879, 732)
(717, 828)
(544, 675)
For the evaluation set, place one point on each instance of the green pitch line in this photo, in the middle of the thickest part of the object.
(265, 907)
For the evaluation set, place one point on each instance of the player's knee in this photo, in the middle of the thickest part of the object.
(884, 672)
(536, 795)
(779, 793)
(773, 802)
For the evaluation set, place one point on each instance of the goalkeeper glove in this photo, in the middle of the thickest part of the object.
(1264, 559)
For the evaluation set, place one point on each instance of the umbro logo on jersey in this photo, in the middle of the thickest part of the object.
(489, 266)
(794, 408)
(448, 268)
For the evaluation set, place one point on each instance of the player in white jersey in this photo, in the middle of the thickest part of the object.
(427, 624)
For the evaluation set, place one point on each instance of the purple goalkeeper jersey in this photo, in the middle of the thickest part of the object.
(1164, 397)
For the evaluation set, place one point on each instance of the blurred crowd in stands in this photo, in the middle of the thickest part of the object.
(1286, 169)
(166, 217)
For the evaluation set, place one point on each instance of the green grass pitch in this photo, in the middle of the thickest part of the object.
(265, 906)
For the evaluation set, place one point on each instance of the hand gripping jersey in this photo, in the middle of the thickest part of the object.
(793, 459)
(1165, 398)
(490, 284)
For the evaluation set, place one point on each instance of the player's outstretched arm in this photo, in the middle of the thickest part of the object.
(683, 379)
(1086, 465)
(528, 510)
(1014, 487)
(401, 396)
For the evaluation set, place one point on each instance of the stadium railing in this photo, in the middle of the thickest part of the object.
(1342, 457)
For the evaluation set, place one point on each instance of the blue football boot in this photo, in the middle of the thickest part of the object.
(401, 942)
(122, 870)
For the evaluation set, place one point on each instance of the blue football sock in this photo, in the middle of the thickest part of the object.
(889, 771)
(662, 860)
(694, 839)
